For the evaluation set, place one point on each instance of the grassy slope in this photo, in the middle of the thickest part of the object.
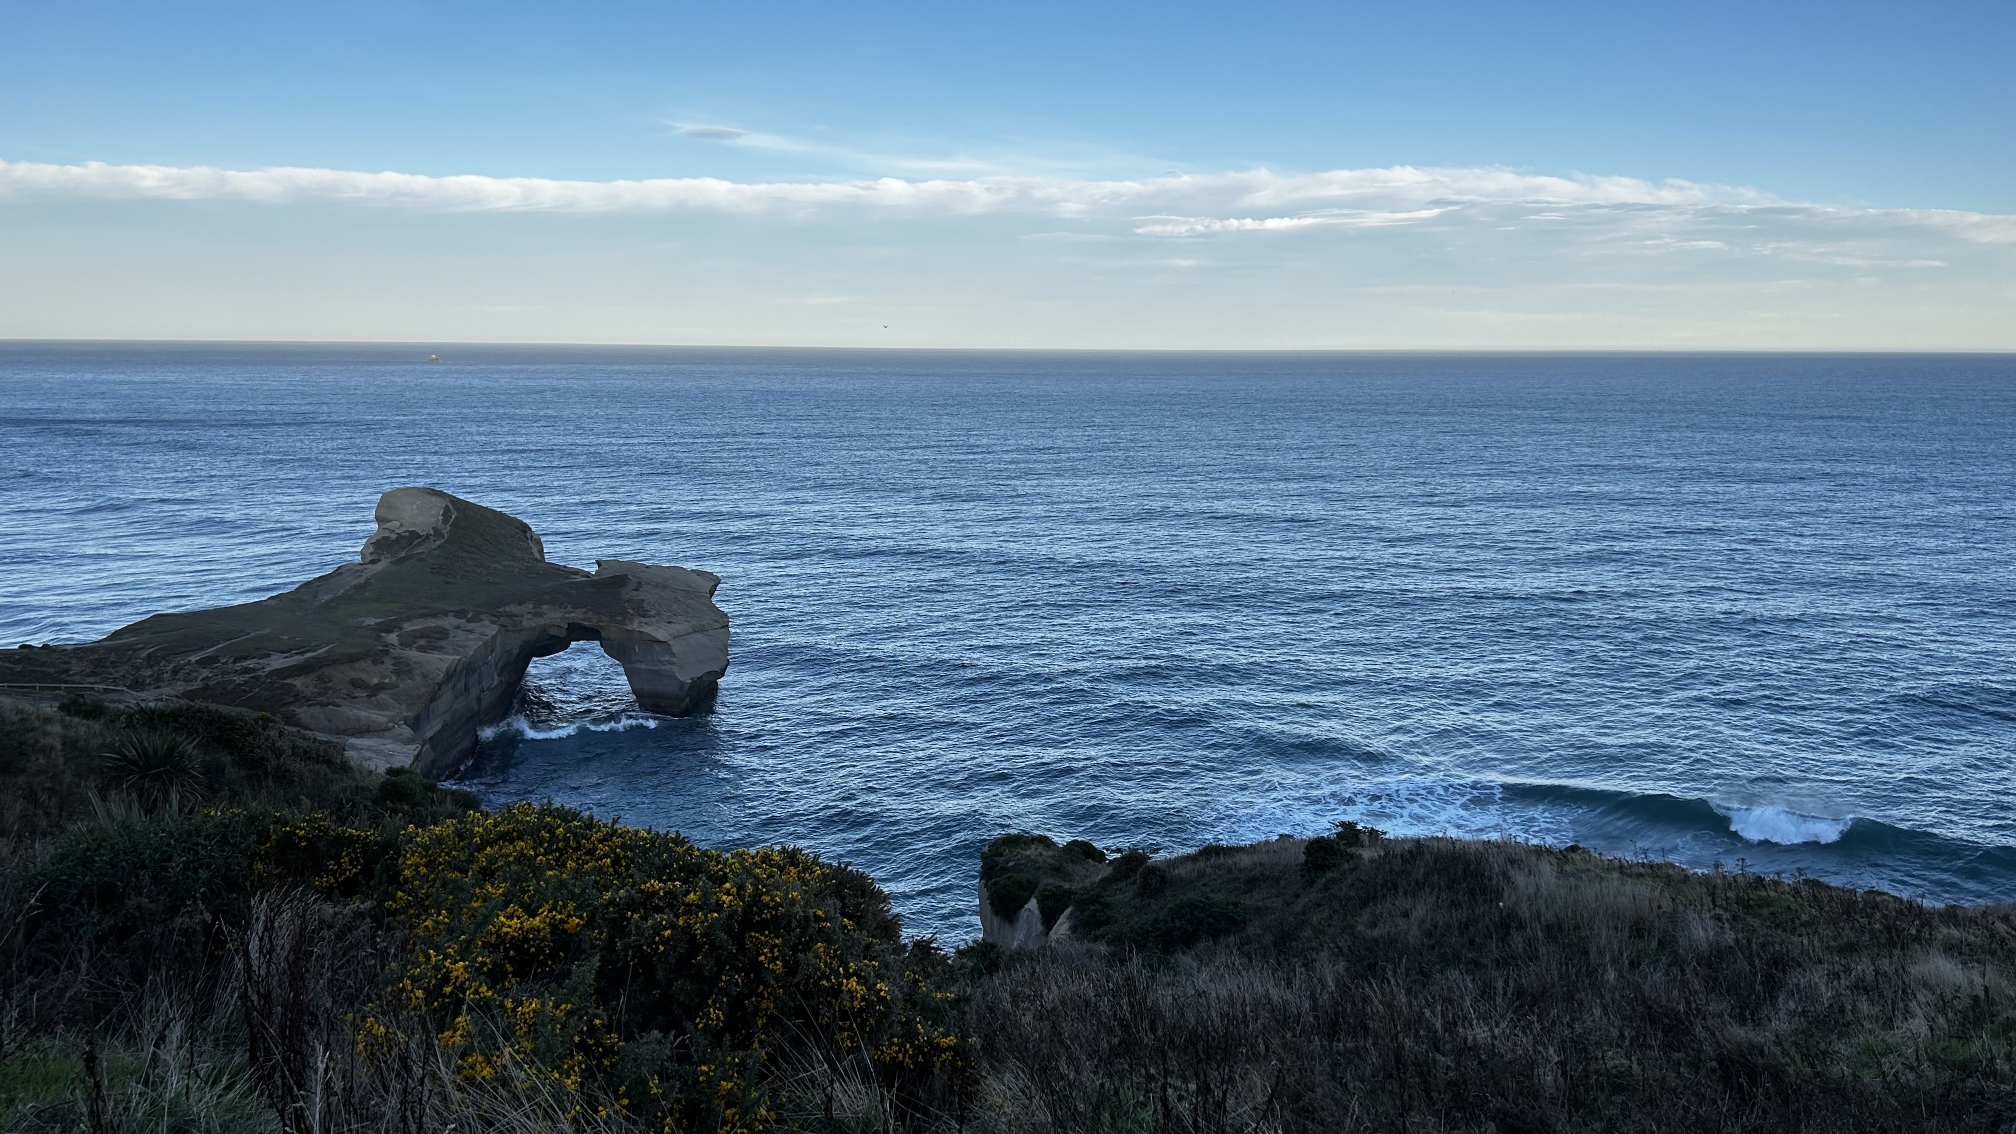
(1438, 984)
(54, 766)
(116, 910)
(289, 943)
(1429, 985)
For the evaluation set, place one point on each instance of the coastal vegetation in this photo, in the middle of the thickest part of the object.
(214, 923)
(210, 922)
(1353, 982)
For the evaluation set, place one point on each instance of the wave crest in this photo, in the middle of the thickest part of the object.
(517, 725)
(1784, 826)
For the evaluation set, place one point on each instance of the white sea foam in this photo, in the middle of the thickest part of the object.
(1781, 825)
(1308, 803)
(516, 723)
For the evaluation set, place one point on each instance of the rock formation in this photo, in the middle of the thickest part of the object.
(1024, 930)
(1028, 885)
(406, 653)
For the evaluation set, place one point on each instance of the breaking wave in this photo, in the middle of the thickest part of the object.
(517, 725)
(1785, 827)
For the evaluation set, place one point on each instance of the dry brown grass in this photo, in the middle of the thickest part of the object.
(1438, 985)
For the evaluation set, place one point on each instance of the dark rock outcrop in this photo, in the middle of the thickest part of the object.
(406, 653)
(1028, 885)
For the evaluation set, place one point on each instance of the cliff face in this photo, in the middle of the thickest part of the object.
(404, 654)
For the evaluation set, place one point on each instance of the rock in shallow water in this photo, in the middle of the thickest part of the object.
(404, 654)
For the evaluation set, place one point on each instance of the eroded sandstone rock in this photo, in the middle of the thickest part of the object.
(406, 653)
(1028, 884)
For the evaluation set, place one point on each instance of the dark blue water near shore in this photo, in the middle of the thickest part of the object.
(1695, 607)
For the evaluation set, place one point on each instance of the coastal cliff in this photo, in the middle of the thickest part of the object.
(403, 655)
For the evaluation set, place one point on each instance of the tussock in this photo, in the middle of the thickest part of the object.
(1440, 985)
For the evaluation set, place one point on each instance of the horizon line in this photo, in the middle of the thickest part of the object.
(9, 341)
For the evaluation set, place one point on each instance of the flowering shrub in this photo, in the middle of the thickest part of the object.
(338, 861)
(653, 975)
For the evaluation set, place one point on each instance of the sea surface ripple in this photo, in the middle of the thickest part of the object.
(1751, 609)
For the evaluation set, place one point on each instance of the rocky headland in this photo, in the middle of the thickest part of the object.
(403, 655)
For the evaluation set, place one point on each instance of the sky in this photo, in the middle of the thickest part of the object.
(1254, 176)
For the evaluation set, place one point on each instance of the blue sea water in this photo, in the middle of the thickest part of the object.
(1751, 609)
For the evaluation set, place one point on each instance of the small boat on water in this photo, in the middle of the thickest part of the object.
(433, 358)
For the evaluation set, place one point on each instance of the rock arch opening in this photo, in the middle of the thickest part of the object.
(574, 684)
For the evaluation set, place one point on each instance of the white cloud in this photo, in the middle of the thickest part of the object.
(1354, 218)
(1669, 243)
(1981, 228)
(1176, 205)
(844, 156)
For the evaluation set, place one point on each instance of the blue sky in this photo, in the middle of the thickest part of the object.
(1461, 175)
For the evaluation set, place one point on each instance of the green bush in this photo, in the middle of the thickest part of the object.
(640, 969)
(1016, 868)
(84, 708)
(1151, 880)
(158, 767)
(1008, 867)
(143, 895)
(1084, 849)
(402, 786)
(235, 732)
(1322, 854)
(1051, 902)
(408, 791)
(1350, 834)
(1189, 920)
(1127, 864)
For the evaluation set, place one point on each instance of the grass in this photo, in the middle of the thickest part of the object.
(158, 767)
(1445, 985)
(284, 943)
(156, 1073)
(222, 926)
(54, 764)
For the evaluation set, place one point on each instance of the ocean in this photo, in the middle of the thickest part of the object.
(1755, 610)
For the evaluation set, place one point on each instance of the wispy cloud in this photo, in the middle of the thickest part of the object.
(1353, 218)
(846, 156)
(1982, 228)
(1173, 206)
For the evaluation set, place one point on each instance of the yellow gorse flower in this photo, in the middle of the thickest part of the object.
(656, 972)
